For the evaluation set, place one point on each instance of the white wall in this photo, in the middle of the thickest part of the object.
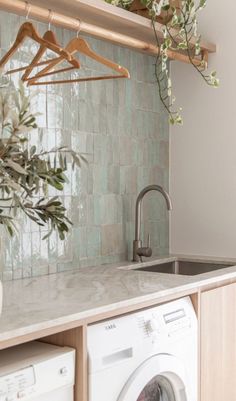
(203, 151)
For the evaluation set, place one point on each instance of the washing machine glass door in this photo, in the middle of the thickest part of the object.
(158, 389)
(160, 378)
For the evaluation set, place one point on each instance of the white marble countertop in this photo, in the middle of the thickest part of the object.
(36, 304)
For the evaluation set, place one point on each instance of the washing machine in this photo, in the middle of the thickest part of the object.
(150, 355)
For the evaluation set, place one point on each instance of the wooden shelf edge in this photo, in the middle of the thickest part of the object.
(110, 17)
(63, 19)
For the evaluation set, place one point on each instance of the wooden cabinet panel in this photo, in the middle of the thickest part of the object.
(218, 344)
(77, 339)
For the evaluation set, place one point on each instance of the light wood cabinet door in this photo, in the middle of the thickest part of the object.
(218, 344)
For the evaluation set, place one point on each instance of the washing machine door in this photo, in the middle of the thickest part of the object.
(160, 378)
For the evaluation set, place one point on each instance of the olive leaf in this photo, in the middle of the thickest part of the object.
(17, 167)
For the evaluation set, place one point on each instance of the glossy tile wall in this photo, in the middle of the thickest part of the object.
(124, 132)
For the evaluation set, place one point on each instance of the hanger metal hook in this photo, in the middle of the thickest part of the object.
(27, 8)
(79, 27)
(50, 19)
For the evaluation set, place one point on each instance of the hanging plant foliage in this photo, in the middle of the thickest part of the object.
(180, 34)
(26, 173)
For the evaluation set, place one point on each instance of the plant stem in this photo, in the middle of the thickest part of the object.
(157, 66)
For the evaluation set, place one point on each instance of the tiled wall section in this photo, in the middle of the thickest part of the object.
(121, 126)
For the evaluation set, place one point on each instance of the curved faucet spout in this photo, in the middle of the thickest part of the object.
(137, 249)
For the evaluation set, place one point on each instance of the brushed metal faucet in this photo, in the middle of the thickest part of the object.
(138, 249)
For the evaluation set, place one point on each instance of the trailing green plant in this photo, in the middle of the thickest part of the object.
(26, 174)
(180, 33)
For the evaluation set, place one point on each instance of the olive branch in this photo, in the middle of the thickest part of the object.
(25, 173)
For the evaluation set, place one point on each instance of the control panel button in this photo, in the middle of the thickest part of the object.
(152, 325)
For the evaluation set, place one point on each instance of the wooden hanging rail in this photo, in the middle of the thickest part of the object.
(116, 19)
(68, 22)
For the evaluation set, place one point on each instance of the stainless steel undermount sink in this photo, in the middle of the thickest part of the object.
(187, 268)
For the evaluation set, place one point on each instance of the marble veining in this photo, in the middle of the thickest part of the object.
(76, 296)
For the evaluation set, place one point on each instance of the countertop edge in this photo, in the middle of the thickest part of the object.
(46, 325)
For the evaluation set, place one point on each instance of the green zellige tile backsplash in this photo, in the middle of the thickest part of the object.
(122, 128)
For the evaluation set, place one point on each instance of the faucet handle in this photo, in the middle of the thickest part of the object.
(145, 251)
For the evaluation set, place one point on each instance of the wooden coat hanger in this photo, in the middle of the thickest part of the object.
(75, 64)
(28, 30)
(50, 37)
(78, 45)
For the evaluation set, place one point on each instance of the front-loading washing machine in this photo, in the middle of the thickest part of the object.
(150, 355)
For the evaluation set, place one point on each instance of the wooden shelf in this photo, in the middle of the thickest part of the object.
(102, 20)
(104, 15)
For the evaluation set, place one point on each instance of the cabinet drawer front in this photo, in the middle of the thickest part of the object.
(218, 344)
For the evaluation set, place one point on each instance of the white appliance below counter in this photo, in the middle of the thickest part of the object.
(1, 297)
(38, 372)
(146, 355)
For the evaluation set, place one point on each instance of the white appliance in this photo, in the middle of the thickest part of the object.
(145, 356)
(37, 372)
(1, 297)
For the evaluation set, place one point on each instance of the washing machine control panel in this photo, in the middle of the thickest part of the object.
(158, 323)
(177, 321)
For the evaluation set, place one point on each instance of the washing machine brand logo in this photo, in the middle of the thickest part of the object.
(110, 326)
